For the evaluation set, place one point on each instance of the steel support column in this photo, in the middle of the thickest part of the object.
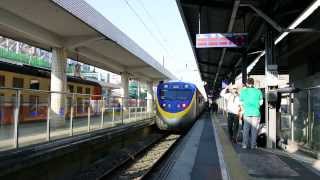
(270, 109)
(244, 67)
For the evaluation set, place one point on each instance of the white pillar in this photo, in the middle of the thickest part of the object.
(150, 97)
(109, 92)
(58, 83)
(125, 89)
(138, 93)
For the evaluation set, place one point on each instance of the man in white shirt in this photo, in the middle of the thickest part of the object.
(230, 94)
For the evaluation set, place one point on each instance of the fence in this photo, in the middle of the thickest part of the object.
(31, 116)
(306, 118)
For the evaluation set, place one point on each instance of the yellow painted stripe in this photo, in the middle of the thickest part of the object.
(177, 115)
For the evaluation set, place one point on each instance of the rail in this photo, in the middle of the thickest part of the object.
(29, 116)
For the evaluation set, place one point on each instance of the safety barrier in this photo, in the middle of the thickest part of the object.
(305, 126)
(29, 116)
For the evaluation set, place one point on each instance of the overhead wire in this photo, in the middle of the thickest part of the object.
(146, 27)
(152, 20)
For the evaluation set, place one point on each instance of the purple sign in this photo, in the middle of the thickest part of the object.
(221, 40)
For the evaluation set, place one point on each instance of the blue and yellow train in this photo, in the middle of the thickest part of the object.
(178, 105)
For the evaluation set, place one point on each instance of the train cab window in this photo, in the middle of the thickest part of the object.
(34, 84)
(17, 83)
(175, 94)
(2, 81)
(87, 90)
(79, 89)
(71, 88)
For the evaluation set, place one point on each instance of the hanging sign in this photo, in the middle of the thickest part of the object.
(221, 40)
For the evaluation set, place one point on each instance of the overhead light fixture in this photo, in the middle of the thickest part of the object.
(251, 66)
(300, 19)
(255, 52)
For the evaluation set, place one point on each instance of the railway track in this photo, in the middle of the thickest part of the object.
(143, 163)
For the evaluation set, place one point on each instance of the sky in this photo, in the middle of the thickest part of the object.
(157, 27)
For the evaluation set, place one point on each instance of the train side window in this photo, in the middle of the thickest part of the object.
(17, 82)
(2, 81)
(79, 89)
(1, 99)
(69, 102)
(88, 91)
(1, 108)
(80, 105)
(34, 84)
(71, 88)
(13, 100)
(34, 104)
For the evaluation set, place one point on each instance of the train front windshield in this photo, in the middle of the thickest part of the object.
(175, 94)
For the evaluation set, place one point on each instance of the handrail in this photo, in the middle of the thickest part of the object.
(310, 88)
(97, 109)
(68, 93)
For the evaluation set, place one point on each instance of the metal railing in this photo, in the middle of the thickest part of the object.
(305, 115)
(29, 116)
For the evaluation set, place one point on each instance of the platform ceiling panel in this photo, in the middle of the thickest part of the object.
(86, 35)
(49, 16)
(214, 16)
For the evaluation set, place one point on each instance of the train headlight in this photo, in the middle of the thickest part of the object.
(184, 105)
(163, 105)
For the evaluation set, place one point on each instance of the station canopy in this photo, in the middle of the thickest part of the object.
(234, 16)
(86, 35)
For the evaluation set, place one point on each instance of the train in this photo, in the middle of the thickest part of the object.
(34, 105)
(178, 105)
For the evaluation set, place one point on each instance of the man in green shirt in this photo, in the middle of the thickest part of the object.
(251, 99)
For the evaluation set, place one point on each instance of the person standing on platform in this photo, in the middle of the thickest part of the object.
(251, 99)
(230, 94)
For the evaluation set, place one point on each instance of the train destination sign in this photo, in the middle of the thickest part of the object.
(221, 40)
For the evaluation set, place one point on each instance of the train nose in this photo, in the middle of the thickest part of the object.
(170, 124)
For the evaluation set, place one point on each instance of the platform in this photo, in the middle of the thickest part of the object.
(264, 163)
(206, 153)
(197, 156)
